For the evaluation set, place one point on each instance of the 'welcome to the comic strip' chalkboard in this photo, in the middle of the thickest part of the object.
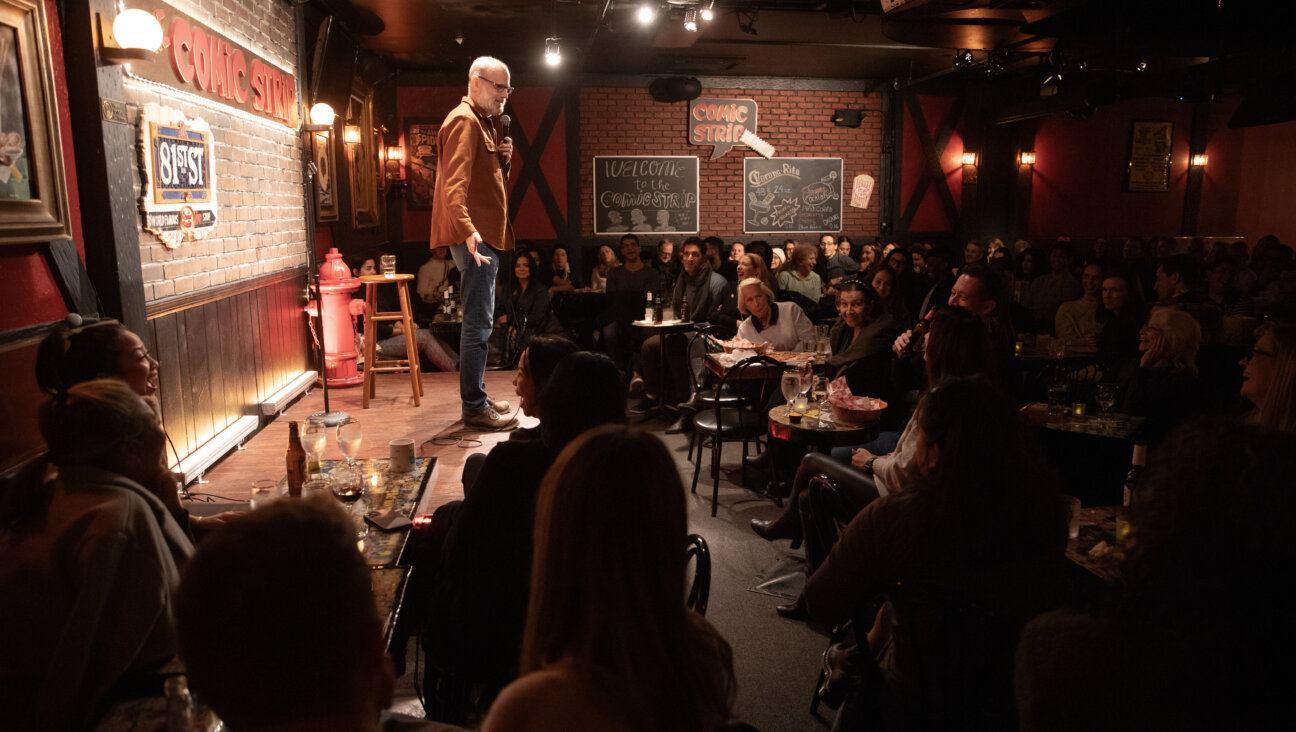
(788, 195)
(645, 194)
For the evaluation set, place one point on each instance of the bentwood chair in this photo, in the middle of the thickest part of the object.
(700, 589)
(705, 397)
(752, 381)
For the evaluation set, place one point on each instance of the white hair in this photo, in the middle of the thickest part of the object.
(484, 63)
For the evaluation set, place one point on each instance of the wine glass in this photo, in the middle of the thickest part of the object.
(349, 437)
(807, 379)
(1106, 398)
(791, 386)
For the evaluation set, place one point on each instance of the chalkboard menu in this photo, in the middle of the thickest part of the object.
(645, 194)
(788, 195)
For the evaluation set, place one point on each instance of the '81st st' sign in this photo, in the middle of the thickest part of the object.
(179, 195)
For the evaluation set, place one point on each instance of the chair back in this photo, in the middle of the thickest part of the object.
(752, 381)
(699, 592)
(697, 350)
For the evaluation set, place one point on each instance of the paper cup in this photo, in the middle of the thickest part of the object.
(402, 455)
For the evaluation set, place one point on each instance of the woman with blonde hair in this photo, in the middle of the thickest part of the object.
(609, 644)
(607, 260)
(781, 324)
(1269, 377)
(1162, 387)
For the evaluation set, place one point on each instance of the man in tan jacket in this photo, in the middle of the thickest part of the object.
(470, 213)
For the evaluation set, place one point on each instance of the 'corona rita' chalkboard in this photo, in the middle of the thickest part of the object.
(788, 195)
(644, 194)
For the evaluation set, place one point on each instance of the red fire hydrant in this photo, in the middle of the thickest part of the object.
(339, 325)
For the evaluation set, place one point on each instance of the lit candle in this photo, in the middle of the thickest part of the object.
(1078, 409)
(1017, 348)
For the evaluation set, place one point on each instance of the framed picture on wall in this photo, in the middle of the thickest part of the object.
(421, 159)
(33, 192)
(1148, 169)
(325, 180)
(362, 157)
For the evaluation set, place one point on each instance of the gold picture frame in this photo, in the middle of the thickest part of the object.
(362, 158)
(33, 190)
(326, 205)
(1150, 150)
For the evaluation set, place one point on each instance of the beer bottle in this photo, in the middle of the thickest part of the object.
(296, 461)
(657, 309)
(649, 307)
(914, 346)
(1132, 479)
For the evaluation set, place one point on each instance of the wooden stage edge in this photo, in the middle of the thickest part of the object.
(391, 414)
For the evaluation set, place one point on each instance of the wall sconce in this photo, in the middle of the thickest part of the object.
(1027, 157)
(137, 35)
(553, 52)
(969, 167)
(969, 158)
(395, 153)
(1199, 160)
(351, 134)
(322, 114)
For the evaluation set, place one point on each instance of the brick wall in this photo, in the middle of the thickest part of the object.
(260, 226)
(798, 123)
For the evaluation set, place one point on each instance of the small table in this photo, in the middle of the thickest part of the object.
(810, 434)
(1115, 426)
(662, 329)
(402, 494)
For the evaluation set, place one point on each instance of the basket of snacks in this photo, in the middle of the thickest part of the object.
(742, 344)
(850, 409)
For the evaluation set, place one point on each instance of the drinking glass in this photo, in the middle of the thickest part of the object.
(791, 385)
(821, 348)
(388, 264)
(347, 486)
(263, 492)
(820, 393)
(1057, 398)
(668, 313)
(349, 437)
(314, 439)
(1105, 396)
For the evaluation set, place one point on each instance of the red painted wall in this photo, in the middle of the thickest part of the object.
(1267, 184)
(30, 295)
(1079, 170)
(930, 216)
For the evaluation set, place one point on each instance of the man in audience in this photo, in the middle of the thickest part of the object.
(937, 263)
(828, 266)
(270, 645)
(1175, 278)
(1075, 319)
(1049, 291)
(666, 264)
(975, 251)
(626, 288)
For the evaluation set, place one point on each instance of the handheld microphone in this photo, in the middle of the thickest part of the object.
(505, 121)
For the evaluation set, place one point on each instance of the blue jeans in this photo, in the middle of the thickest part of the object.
(478, 285)
(884, 444)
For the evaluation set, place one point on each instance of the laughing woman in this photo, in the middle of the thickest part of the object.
(781, 324)
(861, 339)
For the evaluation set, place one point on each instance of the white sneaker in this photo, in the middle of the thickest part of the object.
(489, 420)
(498, 405)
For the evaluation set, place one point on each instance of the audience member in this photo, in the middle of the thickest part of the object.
(697, 287)
(1269, 377)
(666, 264)
(436, 275)
(1176, 276)
(987, 523)
(92, 557)
(270, 646)
(627, 286)
(609, 644)
(777, 258)
(940, 277)
(605, 262)
(474, 628)
(1075, 321)
(1163, 387)
(974, 251)
(781, 324)
(1049, 291)
(1136, 261)
(524, 312)
(860, 340)
(760, 248)
(726, 312)
(1220, 289)
(565, 278)
(883, 280)
(799, 278)
(827, 265)
(1198, 635)
(1119, 319)
(850, 265)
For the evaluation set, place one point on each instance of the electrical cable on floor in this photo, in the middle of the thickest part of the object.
(459, 440)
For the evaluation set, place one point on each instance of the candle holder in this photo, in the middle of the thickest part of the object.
(1078, 409)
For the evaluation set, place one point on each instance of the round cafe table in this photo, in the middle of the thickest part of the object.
(663, 329)
(809, 434)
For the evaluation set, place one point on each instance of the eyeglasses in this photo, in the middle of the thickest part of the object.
(498, 87)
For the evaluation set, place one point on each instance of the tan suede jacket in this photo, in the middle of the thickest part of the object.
(469, 194)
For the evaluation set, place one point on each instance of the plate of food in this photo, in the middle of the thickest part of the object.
(847, 408)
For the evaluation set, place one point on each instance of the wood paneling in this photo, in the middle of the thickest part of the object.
(220, 357)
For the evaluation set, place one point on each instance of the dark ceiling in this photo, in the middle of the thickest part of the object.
(1094, 48)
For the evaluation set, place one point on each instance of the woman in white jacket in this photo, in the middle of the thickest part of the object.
(781, 324)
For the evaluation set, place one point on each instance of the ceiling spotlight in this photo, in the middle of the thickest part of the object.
(690, 20)
(553, 53)
(1142, 66)
(709, 11)
(995, 64)
(646, 14)
(962, 58)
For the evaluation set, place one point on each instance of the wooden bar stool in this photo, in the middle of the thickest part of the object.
(406, 317)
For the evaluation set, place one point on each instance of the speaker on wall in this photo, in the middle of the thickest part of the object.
(333, 65)
(675, 89)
